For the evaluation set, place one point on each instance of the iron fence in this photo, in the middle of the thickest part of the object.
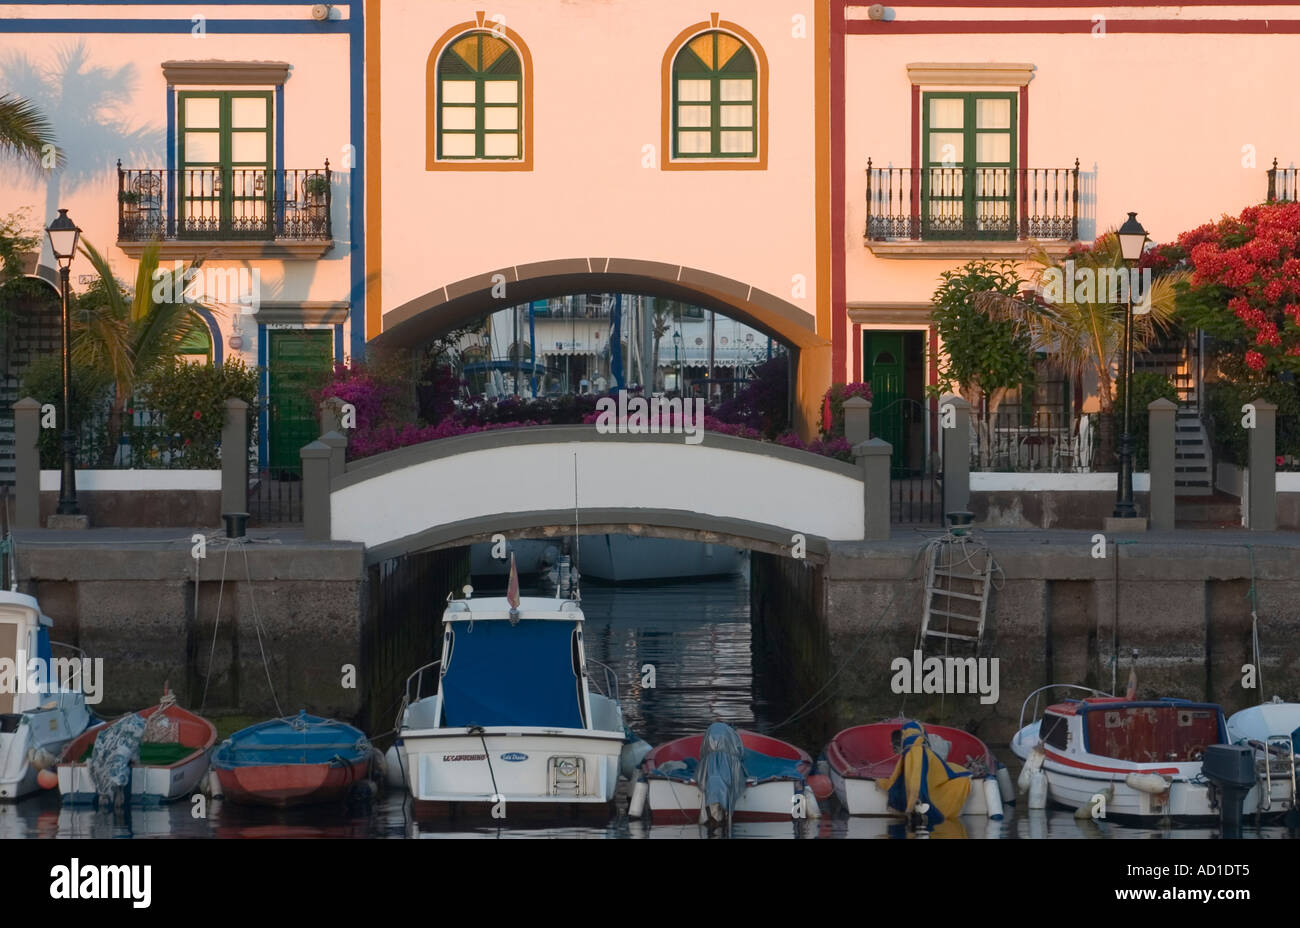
(132, 437)
(915, 465)
(1048, 443)
(274, 491)
(1282, 184)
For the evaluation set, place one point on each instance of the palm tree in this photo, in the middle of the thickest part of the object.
(662, 322)
(1088, 336)
(25, 132)
(130, 339)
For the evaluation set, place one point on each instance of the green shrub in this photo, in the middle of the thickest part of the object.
(43, 382)
(190, 402)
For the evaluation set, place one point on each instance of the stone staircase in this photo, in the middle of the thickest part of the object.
(1193, 459)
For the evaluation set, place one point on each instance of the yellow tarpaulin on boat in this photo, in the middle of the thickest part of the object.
(922, 776)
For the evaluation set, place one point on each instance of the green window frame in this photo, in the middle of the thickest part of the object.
(969, 166)
(225, 146)
(478, 121)
(715, 98)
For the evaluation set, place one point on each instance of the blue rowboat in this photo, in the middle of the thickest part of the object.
(297, 760)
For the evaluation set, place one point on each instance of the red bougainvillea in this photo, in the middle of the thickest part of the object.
(1246, 281)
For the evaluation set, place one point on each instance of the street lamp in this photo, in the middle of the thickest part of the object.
(677, 359)
(64, 234)
(1131, 239)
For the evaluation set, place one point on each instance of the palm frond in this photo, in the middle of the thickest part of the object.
(25, 132)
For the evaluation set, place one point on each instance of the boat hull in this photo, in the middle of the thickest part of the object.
(39, 730)
(676, 802)
(633, 558)
(284, 785)
(860, 796)
(448, 772)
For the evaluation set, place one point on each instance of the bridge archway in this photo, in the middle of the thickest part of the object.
(730, 490)
(455, 304)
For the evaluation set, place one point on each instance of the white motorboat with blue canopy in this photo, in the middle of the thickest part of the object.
(42, 706)
(517, 725)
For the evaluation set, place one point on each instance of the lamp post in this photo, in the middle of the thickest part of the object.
(64, 234)
(1131, 239)
(677, 359)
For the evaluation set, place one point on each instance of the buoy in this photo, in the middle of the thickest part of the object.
(1152, 783)
(821, 786)
(1007, 791)
(47, 779)
(394, 774)
(1038, 790)
(1032, 763)
(41, 759)
(214, 786)
(810, 801)
(640, 792)
(993, 798)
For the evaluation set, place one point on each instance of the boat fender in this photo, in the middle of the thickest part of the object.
(1103, 799)
(393, 768)
(378, 766)
(214, 786)
(41, 759)
(47, 779)
(821, 786)
(636, 807)
(811, 807)
(1032, 763)
(1007, 791)
(1152, 783)
(1038, 790)
(993, 798)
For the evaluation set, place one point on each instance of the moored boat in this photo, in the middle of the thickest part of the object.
(774, 773)
(621, 558)
(299, 760)
(516, 728)
(864, 755)
(1140, 760)
(1272, 729)
(172, 760)
(36, 721)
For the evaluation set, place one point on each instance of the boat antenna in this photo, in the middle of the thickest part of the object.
(577, 547)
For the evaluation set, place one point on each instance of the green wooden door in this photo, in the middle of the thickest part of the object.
(298, 360)
(884, 371)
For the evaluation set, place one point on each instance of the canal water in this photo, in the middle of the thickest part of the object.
(696, 637)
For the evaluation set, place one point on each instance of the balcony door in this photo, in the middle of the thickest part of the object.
(968, 185)
(224, 185)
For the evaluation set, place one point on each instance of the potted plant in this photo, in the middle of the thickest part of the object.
(316, 186)
(128, 197)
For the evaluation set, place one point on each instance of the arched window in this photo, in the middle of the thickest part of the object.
(196, 347)
(479, 100)
(715, 99)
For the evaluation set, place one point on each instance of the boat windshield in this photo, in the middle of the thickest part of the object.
(498, 674)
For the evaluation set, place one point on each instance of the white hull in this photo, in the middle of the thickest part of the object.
(47, 730)
(148, 784)
(528, 558)
(859, 796)
(450, 766)
(674, 799)
(631, 558)
(1073, 786)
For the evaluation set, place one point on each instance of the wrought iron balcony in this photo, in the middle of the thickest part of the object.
(972, 204)
(1282, 184)
(224, 204)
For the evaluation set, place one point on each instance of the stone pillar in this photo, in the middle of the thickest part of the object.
(27, 464)
(956, 453)
(1261, 502)
(331, 415)
(857, 420)
(873, 458)
(316, 491)
(338, 445)
(234, 457)
(1161, 455)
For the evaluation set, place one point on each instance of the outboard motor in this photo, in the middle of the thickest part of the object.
(1231, 768)
(721, 774)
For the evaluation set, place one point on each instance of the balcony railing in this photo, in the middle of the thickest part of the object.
(224, 204)
(967, 204)
(1282, 184)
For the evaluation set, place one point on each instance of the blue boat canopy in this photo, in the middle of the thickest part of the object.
(519, 675)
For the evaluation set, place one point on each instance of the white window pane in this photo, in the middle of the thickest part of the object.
(738, 143)
(502, 117)
(993, 146)
(693, 116)
(947, 113)
(737, 90)
(457, 145)
(248, 112)
(503, 145)
(693, 91)
(993, 114)
(946, 147)
(738, 115)
(202, 113)
(202, 146)
(501, 92)
(693, 143)
(246, 147)
(457, 91)
(458, 117)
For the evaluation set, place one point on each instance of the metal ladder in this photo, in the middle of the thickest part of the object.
(958, 577)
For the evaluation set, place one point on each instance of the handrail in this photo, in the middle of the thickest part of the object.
(1052, 686)
(419, 683)
(611, 680)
